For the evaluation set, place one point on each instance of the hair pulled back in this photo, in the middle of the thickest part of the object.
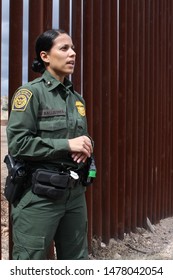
(44, 43)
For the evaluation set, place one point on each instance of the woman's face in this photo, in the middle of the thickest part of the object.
(60, 60)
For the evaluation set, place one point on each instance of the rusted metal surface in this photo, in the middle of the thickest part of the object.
(124, 70)
(40, 19)
(0, 149)
(64, 15)
(15, 46)
(15, 58)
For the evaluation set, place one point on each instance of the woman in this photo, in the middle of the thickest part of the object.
(47, 129)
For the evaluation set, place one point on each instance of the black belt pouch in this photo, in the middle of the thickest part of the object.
(51, 184)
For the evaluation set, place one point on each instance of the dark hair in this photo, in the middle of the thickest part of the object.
(44, 43)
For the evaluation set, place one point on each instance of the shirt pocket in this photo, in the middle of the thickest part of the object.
(52, 129)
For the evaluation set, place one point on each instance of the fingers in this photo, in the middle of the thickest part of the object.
(87, 146)
(86, 149)
(82, 148)
(79, 157)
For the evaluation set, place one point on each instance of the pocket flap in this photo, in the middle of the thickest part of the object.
(29, 241)
(60, 180)
(51, 125)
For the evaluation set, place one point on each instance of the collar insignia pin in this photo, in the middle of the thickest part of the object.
(48, 83)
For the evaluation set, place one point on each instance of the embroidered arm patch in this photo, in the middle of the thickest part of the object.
(21, 100)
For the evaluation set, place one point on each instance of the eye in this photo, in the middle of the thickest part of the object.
(67, 47)
(64, 48)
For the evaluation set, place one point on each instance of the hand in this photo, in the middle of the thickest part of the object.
(79, 157)
(81, 144)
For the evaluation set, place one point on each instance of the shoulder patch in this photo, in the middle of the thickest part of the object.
(21, 100)
(80, 108)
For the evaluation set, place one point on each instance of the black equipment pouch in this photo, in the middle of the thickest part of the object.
(51, 184)
(16, 179)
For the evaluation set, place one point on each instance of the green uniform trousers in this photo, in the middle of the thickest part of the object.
(37, 221)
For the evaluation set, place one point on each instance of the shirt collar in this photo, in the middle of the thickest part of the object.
(51, 83)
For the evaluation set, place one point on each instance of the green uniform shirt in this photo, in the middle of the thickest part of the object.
(45, 113)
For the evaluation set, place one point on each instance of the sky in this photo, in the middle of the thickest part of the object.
(5, 41)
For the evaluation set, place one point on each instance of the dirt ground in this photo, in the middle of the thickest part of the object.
(142, 245)
(153, 244)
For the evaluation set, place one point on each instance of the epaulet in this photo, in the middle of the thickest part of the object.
(35, 81)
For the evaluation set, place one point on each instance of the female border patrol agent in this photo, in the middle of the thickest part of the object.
(47, 129)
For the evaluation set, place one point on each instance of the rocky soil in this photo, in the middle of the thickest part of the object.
(154, 244)
(4, 205)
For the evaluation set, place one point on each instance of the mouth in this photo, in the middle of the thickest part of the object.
(71, 62)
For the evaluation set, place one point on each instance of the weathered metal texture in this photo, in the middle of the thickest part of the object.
(145, 113)
(124, 70)
(40, 20)
(101, 94)
(0, 149)
(15, 57)
(64, 15)
(127, 88)
(15, 46)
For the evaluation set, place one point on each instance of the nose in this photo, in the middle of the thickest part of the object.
(72, 52)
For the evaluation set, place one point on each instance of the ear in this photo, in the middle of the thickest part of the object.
(44, 56)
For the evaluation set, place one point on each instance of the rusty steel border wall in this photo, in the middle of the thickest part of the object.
(126, 78)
